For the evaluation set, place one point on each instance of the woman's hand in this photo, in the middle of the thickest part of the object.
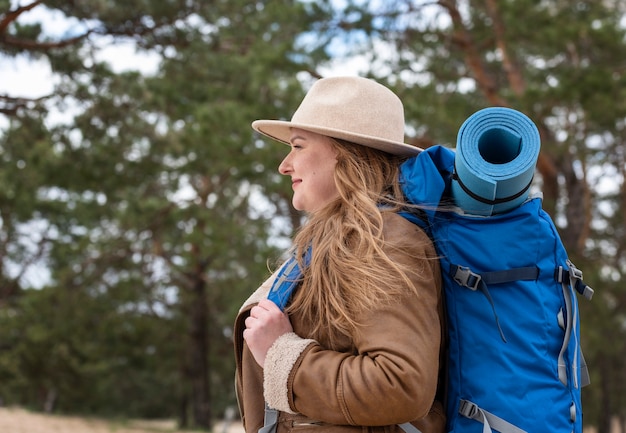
(264, 325)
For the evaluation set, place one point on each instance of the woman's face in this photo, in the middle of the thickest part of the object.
(311, 165)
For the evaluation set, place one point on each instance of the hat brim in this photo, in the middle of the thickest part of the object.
(280, 130)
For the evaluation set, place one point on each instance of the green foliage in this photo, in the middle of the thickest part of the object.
(154, 207)
(90, 352)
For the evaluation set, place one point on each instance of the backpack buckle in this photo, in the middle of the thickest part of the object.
(581, 287)
(574, 271)
(466, 278)
(468, 409)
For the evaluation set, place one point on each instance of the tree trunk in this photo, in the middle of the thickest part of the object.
(183, 419)
(198, 355)
(604, 421)
(463, 39)
(578, 208)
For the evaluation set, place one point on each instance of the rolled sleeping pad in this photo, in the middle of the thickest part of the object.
(495, 160)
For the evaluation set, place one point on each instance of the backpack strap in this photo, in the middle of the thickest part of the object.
(571, 279)
(465, 277)
(409, 428)
(270, 421)
(472, 411)
(584, 371)
(287, 280)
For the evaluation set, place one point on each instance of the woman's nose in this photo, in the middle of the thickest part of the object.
(285, 165)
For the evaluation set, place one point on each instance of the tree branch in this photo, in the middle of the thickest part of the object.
(10, 105)
(11, 16)
(32, 45)
(510, 66)
(462, 37)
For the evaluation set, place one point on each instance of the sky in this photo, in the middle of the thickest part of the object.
(24, 77)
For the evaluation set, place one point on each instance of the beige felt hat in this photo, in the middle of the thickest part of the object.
(355, 109)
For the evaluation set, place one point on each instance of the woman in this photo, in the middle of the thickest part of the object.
(351, 333)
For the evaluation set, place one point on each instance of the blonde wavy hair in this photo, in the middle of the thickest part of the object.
(349, 271)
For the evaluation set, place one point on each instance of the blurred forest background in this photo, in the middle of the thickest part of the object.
(138, 210)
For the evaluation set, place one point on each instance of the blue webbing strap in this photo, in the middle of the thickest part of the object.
(465, 277)
(472, 411)
(285, 283)
(528, 273)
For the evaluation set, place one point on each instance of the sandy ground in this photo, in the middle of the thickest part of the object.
(15, 420)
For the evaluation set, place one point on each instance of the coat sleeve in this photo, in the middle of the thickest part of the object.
(392, 375)
(248, 372)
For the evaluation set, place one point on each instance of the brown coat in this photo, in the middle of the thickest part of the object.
(386, 375)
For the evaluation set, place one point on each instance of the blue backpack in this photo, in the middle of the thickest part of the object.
(514, 362)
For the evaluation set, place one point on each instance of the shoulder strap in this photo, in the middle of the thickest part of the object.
(287, 279)
(409, 428)
(271, 420)
(472, 411)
